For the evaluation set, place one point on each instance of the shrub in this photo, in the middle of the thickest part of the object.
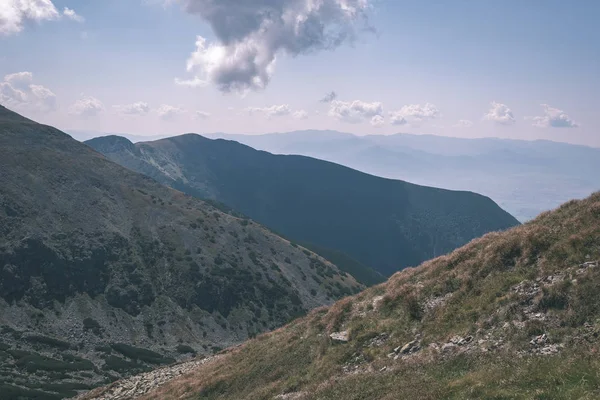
(45, 340)
(90, 324)
(185, 349)
(137, 353)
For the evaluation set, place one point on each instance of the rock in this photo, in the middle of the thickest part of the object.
(589, 264)
(448, 347)
(539, 340)
(461, 341)
(378, 340)
(291, 396)
(342, 336)
(410, 347)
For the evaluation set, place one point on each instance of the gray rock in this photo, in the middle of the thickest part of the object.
(342, 336)
(448, 347)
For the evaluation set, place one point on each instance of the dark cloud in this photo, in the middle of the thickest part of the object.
(250, 35)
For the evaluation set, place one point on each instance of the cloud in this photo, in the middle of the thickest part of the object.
(553, 118)
(169, 113)
(19, 80)
(272, 111)
(377, 121)
(87, 106)
(201, 115)
(463, 123)
(18, 90)
(15, 13)
(72, 15)
(329, 97)
(251, 34)
(139, 108)
(500, 114)
(396, 119)
(414, 114)
(192, 83)
(300, 114)
(356, 111)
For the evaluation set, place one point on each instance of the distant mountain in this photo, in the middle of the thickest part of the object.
(511, 315)
(82, 136)
(381, 223)
(104, 272)
(524, 177)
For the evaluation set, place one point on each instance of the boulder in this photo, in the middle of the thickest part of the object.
(342, 336)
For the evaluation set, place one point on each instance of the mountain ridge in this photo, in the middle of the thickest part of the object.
(383, 223)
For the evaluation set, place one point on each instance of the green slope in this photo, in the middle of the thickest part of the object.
(384, 224)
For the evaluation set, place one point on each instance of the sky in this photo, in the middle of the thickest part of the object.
(464, 68)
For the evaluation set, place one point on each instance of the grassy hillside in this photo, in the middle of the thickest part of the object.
(512, 315)
(382, 223)
(105, 273)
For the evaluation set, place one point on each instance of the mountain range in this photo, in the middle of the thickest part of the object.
(104, 272)
(523, 177)
(382, 223)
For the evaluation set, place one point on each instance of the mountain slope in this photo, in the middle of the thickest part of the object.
(512, 315)
(104, 272)
(523, 177)
(382, 223)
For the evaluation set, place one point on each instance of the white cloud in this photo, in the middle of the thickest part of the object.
(192, 83)
(19, 80)
(72, 15)
(356, 111)
(553, 118)
(396, 119)
(201, 115)
(139, 108)
(168, 113)
(15, 13)
(463, 123)
(300, 114)
(329, 97)
(500, 114)
(87, 106)
(272, 111)
(414, 114)
(18, 90)
(377, 121)
(250, 35)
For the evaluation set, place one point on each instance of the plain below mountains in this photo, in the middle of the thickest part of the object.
(511, 315)
(104, 272)
(523, 177)
(382, 223)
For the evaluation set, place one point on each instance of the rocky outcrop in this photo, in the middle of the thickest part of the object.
(138, 385)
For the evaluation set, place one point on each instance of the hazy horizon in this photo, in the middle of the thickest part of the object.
(83, 135)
